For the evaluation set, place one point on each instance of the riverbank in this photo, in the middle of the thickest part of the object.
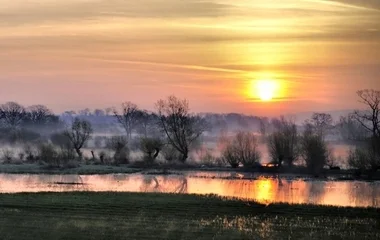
(174, 216)
(162, 169)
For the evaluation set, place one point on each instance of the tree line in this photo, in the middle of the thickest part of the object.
(13, 115)
(288, 145)
(173, 130)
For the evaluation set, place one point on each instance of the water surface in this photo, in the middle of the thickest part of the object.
(265, 189)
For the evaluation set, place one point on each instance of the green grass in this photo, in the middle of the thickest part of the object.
(170, 216)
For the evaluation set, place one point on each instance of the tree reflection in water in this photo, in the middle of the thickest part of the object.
(265, 189)
(164, 184)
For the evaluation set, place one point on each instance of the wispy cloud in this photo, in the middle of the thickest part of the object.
(206, 49)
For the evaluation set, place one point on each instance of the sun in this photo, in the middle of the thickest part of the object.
(265, 89)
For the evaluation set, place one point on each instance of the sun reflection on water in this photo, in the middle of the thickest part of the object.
(264, 189)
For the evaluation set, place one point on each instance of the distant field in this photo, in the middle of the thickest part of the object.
(168, 216)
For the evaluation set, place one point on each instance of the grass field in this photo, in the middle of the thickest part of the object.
(170, 216)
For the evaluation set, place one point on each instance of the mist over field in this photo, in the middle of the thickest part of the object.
(40, 125)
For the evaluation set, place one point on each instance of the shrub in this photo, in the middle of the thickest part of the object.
(118, 144)
(8, 155)
(151, 147)
(66, 155)
(230, 156)
(30, 153)
(358, 158)
(363, 159)
(104, 157)
(283, 143)
(207, 159)
(21, 156)
(315, 153)
(49, 155)
(242, 149)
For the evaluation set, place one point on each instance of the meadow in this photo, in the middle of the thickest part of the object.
(84, 215)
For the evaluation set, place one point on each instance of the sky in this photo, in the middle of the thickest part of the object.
(75, 54)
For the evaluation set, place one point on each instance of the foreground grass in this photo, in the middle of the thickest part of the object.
(168, 216)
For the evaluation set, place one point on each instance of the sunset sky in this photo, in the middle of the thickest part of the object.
(74, 54)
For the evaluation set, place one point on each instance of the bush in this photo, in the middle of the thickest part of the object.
(104, 157)
(242, 149)
(230, 156)
(118, 144)
(363, 159)
(358, 158)
(283, 143)
(54, 158)
(49, 155)
(315, 153)
(8, 155)
(30, 153)
(151, 147)
(66, 155)
(208, 159)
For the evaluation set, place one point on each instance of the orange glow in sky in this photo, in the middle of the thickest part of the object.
(312, 55)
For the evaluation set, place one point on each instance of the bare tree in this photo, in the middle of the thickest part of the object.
(242, 149)
(147, 124)
(315, 152)
(128, 117)
(283, 142)
(350, 129)
(151, 147)
(119, 144)
(38, 114)
(369, 118)
(368, 156)
(180, 127)
(79, 133)
(12, 114)
(322, 123)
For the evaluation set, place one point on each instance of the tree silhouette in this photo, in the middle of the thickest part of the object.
(180, 127)
(79, 133)
(369, 118)
(128, 117)
(12, 114)
(321, 123)
(283, 142)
